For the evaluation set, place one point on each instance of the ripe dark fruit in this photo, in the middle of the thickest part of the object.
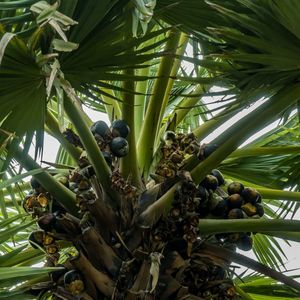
(245, 243)
(107, 158)
(235, 213)
(119, 147)
(210, 182)
(235, 201)
(47, 221)
(202, 193)
(34, 183)
(235, 188)
(100, 128)
(221, 209)
(250, 195)
(218, 175)
(169, 136)
(73, 282)
(260, 209)
(120, 128)
(209, 149)
(36, 238)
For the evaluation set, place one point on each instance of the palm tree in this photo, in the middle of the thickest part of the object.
(151, 222)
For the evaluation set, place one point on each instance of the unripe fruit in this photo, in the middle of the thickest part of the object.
(100, 128)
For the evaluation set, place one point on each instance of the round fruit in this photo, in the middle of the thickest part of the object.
(107, 158)
(100, 128)
(235, 213)
(250, 195)
(235, 201)
(245, 243)
(202, 193)
(47, 221)
(221, 209)
(209, 149)
(210, 182)
(235, 188)
(219, 175)
(36, 238)
(260, 209)
(34, 183)
(119, 147)
(120, 128)
(73, 282)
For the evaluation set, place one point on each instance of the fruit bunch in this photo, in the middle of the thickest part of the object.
(115, 256)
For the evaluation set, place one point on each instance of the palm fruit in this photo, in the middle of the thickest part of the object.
(221, 209)
(100, 128)
(235, 188)
(235, 213)
(206, 150)
(249, 209)
(260, 209)
(47, 221)
(250, 195)
(119, 147)
(210, 182)
(34, 183)
(107, 158)
(245, 243)
(234, 237)
(202, 193)
(36, 238)
(29, 202)
(120, 128)
(234, 201)
(218, 175)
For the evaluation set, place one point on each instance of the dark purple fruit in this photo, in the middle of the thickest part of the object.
(202, 193)
(120, 128)
(260, 209)
(250, 195)
(36, 238)
(245, 243)
(221, 209)
(235, 201)
(47, 221)
(209, 149)
(34, 183)
(169, 136)
(73, 282)
(107, 158)
(100, 128)
(235, 213)
(235, 188)
(119, 147)
(219, 176)
(210, 182)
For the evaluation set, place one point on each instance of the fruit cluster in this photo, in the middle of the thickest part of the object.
(111, 244)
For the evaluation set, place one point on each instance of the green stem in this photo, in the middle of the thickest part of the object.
(256, 151)
(129, 165)
(140, 101)
(112, 106)
(93, 152)
(243, 129)
(279, 194)
(214, 226)
(57, 190)
(151, 122)
(243, 294)
(53, 127)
